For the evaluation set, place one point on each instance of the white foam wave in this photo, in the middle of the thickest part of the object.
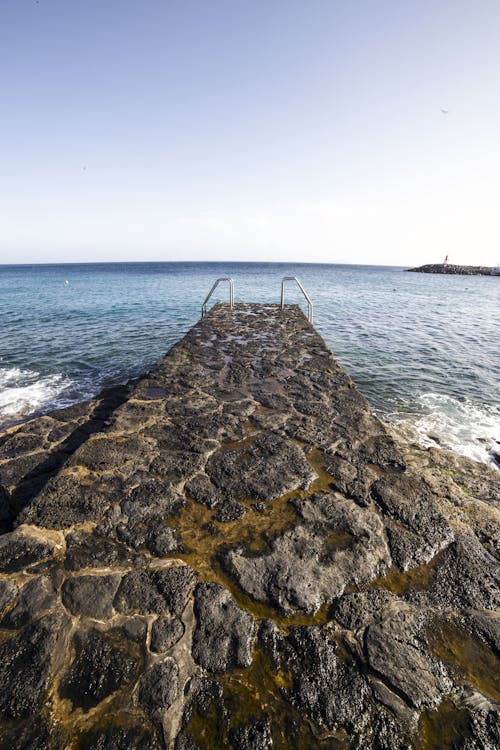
(25, 391)
(461, 426)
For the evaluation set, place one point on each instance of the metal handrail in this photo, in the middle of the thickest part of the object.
(309, 302)
(216, 283)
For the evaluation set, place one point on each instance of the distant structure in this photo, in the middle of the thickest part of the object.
(445, 261)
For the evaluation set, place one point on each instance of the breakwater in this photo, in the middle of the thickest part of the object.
(455, 269)
(237, 553)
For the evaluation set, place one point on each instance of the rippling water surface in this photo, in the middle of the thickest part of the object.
(424, 349)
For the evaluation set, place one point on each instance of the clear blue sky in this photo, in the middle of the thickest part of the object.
(276, 130)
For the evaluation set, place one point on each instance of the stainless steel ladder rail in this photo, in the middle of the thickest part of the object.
(212, 290)
(309, 301)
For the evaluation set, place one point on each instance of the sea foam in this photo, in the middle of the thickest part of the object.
(459, 425)
(25, 391)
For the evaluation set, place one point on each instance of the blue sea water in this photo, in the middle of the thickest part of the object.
(424, 349)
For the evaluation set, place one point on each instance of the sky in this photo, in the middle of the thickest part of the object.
(270, 130)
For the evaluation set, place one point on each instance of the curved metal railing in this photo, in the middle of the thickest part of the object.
(212, 290)
(309, 301)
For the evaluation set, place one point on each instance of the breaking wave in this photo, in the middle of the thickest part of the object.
(458, 425)
(23, 392)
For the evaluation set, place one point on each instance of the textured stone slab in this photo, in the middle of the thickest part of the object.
(235, 552)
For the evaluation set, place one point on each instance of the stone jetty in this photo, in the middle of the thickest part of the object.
(450, 268)
(236, 553)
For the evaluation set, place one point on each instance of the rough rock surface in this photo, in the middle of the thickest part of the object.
(236, 553)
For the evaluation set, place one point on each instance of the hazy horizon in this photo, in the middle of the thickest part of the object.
(360, 133)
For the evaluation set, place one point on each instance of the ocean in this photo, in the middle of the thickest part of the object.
(424, 349)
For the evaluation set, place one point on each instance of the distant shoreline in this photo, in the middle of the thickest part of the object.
(456, 270)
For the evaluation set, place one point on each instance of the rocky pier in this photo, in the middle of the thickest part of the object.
(236, 553)
(454, 269)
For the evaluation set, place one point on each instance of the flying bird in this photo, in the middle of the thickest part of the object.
(445, 111)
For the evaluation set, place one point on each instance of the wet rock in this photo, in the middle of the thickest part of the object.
(159, 686)
(155, 591)
(229, 511)
(384, 732)
(8, 592)
(223, 634)
(328, 691)
(25, 662)
(151, 533)
(467, 577)
(99, 669)
(359, 609)
(161, 541)
(19, 549)
(90, 596)
(416, 529)
(201, 489)
(205, 701)
(264, 469)
(396, 652)
(122, 738)
(135, 629)
(337, 544)
(36, 597)
(256, 735)
(487, 624)
(84, 550)
(33, 734)
(165, 633)
(275, 645)
(5, 509)
(63, 502)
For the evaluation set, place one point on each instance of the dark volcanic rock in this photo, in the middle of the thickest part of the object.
(380, 585)
(19, 549)
(135, 629)
(36, 597)
(416, 529)
(159, 686)
(337, 544)
(454, 269)
(8, 592)
(223, 635)
(155, 591)
(99, 669)
(84, 550)
(165, 633)
(90, 596)
(201, 489)
(65, 501)
(263, 469)
(396, 651)
(229, 511)
(467, 577)
(255, 735)
(25, 662)
(359, 609)
(330, 692)
(121, 738)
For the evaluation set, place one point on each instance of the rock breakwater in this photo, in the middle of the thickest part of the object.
(450, 268)
(237, 553)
